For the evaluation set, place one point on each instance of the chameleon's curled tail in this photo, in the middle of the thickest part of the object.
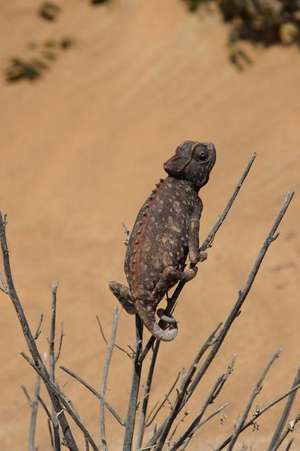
(147, 315)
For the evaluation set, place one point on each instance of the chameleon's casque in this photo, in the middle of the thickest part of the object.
(165, 232)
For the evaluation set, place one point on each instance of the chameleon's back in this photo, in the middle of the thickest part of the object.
(160, 235)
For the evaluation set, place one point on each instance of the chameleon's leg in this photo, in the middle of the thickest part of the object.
(195, 255)
(170, 277)
(123, 295)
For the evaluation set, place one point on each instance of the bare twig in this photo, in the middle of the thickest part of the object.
(67, 405)
(211, 236)
(39, 327)
(146, 396)
(206, 420)
(49, 424)
(285, 414)
(114, 413)
(104, 378)
(205, 245)
(31, 344)
(258, 413)
(52, 362)
(52, 332)
(33, 404)
(210, 399)
(164, 429)
(290, 428)
(105, 340)
(289, 445)
(43, 404)
(61, 339)
(257, 389)
(135, 384)
(153, 414)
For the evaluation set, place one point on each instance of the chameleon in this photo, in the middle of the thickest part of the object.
(165, 233)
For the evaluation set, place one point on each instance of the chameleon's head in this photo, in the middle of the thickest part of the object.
(192, 161)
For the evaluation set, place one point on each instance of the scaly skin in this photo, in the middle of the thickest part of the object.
(165, 232)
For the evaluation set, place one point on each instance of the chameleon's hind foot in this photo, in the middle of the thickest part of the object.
(123, 295)
(189, 273)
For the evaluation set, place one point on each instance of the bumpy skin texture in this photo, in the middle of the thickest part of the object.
(165, 232)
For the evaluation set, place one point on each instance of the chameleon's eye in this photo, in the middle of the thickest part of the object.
(201, 153)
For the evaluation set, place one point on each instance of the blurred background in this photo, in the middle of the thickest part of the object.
(92, 102)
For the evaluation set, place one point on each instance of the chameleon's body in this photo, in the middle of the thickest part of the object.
(166, 231)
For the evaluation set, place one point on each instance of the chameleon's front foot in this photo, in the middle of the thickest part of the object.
(197, 257)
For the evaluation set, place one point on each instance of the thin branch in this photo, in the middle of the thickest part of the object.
(61, 339)
(285, 413)
(185, 414)
(164, 429)
(50, 430)
(52, 332)
(257, 389)
(67, 405)
(101, 329)
(153, 414)
(258, 413)
(114, 413)
(105, 340)
(52, 362)
(39, 327)
(33, 404)
(43, 404)
(289, 444)
(31, 344)
(146, 395)
(290, 428)
(104, 378)
(34, 413)
(206, 420)
(135, 385)
(210, 399)
(25, 391)
(205, 245)
(211, 236)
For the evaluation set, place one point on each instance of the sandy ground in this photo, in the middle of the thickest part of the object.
(84, 146)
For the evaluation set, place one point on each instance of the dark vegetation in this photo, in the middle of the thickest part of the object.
(32, 68)
(265, 22)
(259, 21)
